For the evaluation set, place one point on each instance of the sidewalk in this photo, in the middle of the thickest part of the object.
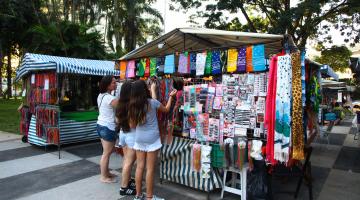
(30, 172)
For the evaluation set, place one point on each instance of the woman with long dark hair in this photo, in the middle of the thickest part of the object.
(126, 139)
(143, 115)
(106, 125)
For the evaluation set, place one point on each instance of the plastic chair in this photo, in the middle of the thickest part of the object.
(242, 181)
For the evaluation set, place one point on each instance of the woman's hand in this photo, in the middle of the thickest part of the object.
(173, 92)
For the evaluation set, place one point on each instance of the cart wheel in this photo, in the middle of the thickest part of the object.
(24, 139)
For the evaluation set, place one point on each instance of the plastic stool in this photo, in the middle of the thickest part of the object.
(243, 174)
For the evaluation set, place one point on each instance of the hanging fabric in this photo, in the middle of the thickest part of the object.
(249, 64)
(208, 63)
(192, 63)
(270, 110)
(183, 63)
(241, 60)
(141, 67)
(283, 109)
(130, 69)
(216, 62)
(232, 60)
(147, 67)
(152, 67)
(200, 63)
(258, 57)
(169, 67)
(160, 62)
(205, 161)
(297, 111)
(196, 158)
(122, 70)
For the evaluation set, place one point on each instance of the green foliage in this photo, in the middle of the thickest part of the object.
(66, 39)
(308, 19)
(337, 57)
(9, 117)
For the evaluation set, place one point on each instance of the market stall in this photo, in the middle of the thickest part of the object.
(219, 121)
(59, 105)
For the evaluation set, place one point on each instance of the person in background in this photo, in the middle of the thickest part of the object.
(126, 140)
(142, 115)
(106, 125)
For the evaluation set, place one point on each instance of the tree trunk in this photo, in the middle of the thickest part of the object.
(9, 73)
(73, 11)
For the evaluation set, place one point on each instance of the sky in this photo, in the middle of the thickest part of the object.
(174, 19)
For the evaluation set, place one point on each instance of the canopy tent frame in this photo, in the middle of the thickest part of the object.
(199, 39)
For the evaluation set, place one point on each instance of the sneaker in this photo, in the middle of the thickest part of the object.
(156, 198)
(132, 184)
(127, 191)
(142, 197)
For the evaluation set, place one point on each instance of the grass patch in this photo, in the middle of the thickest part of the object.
(9, 116)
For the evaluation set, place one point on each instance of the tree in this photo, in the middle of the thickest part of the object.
(308, 19)
(66, 39)
(337, 57)
(16, 16)
(132, 22)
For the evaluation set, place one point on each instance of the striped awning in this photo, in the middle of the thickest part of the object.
(37, 62)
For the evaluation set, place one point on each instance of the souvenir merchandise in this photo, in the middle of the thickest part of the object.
(297, 109)
(130, 69)
(147, 67)
(241, 60)
(258, 57)
(249, 63)
(215, 62)
(25, 117)
(232, 60)
(193, 63)
(160, 62)
(205, 161)
(183, 63)
(283, 109)
(200, 63)
(169, 66)
(196, 157)
(208, 63)
(152, 67)
(141, 65)
(123, 69)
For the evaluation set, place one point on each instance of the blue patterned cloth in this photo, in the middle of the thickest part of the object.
(258, 57)
(193, 63)
(169, 67)
(216, 62)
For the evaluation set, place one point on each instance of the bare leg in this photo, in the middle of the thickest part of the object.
(104, 161)
(129, 159)
(150, 171)
(140, 165)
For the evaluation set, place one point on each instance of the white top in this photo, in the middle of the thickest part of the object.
(106, 111)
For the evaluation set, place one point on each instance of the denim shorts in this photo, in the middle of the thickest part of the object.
(127, 139)
(105, 133)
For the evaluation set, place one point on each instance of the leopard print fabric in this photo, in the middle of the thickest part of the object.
(297, 138)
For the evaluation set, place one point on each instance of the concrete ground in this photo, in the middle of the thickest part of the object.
(30, 172)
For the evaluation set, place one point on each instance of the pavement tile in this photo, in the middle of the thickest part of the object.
(85, 150)
(5, 136)
(350, 142)
(341, 185)
(284, 189)
(12, 144)
(324, 155)
(334, 139)
(32, 163)
(341, 129)
(348, 159)
(115, 161)
(44, 179)
(21, 152)
(88, 188)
